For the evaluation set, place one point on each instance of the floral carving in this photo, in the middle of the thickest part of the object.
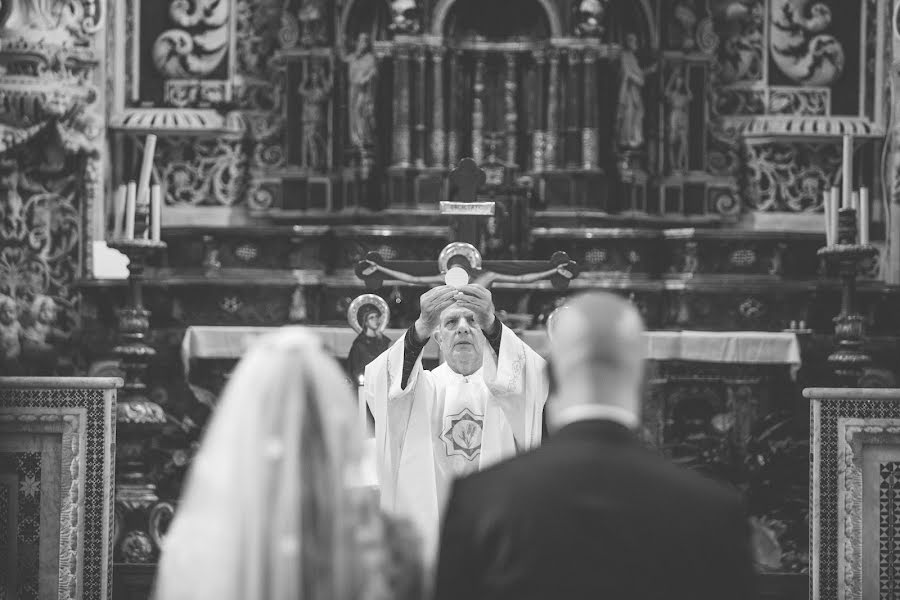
(203, 172)
(199, 43)
(789, 177)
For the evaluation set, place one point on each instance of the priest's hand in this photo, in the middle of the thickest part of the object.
(431, 305)
(478, 299)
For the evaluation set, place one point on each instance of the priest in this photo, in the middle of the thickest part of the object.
(481, 405)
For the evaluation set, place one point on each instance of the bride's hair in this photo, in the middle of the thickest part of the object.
(269, 510)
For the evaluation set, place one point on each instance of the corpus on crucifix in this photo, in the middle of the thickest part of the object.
(482, 404)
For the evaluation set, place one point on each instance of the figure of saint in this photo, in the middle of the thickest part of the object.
(38, 351)
(362, 70)
(630, 111)
(315, 91)
(483, 278)
(368, 344)
(10, 336)
(483, 404)
(679, 97)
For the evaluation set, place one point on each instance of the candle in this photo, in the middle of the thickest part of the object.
(155, 198)
(119, 211)
(826, 209)
(130, 206)
(864, 215)
(835, 206)
(854, 200)
(847, 171)
(146, 168)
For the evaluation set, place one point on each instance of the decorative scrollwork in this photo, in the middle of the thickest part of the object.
(199, 44)
(203, 172)
(789, 177)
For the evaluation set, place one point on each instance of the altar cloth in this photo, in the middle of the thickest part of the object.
(743, 347)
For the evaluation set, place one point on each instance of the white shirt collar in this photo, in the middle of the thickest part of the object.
(584, 412)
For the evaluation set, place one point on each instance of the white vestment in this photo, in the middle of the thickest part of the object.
(443, 425)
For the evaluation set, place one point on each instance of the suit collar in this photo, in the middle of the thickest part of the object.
(596, 429)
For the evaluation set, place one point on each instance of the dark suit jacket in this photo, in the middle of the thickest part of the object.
(593, 514)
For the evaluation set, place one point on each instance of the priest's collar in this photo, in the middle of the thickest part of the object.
(585, 412)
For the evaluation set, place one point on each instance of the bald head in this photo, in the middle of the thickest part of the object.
(598, 336)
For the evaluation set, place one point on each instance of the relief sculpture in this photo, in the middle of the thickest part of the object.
(800, 47)
(200, 42)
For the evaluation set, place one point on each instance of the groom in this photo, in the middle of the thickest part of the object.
(482, 405)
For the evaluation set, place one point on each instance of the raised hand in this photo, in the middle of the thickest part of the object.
(431, 305)
(478, 299)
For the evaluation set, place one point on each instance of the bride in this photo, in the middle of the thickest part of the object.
(271, 510)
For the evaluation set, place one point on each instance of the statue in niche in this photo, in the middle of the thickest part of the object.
(590, 18)
(312, 24)
(362, 70)
(679, 97)
(684, 26)
(38, 338)
(10, 336)
(630, 110)
(405, 17)
(315, 91)
(368, 315)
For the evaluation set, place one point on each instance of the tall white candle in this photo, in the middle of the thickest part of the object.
(119, 211)
(836, 205)
(854, 201)
(146, 168)
(130, 206)
(826, 209)
(864, 215)
(847, 171)
(155, 211)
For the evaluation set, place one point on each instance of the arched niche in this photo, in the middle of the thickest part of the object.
(366, 16)
(496, 19)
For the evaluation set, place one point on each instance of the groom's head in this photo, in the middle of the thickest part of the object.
(460, 339)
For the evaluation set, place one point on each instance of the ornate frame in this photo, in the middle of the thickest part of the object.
(83, 412)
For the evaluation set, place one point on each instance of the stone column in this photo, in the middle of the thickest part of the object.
(552, 135)
(539, 136)
(589, 151)
(421, 109)
(437, 129)
(511, 116)
(401, 107)
(478, 110)
(455, 109)
(573, 107)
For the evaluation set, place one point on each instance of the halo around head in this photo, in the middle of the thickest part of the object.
(368, 300)
(467, 251)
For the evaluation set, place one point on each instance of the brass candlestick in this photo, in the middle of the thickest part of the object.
(849, 359)
(138, 417)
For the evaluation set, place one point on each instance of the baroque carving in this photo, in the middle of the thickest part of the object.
(199, 43)
(202, 171)
(799, 45)
(789, 177)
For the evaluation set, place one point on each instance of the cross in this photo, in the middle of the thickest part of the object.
(466, 178)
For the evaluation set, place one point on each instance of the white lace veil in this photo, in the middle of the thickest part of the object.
(267, 512)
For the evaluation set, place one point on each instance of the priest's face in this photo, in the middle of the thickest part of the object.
(460, 339)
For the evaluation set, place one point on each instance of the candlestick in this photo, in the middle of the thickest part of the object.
(119, 211)
(847, 171)
(146, 168)
(130, 207)
(826, 209)
(864, 216)
(155, 211)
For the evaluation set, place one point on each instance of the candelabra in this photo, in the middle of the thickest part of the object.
(849, 359)
(138, 417)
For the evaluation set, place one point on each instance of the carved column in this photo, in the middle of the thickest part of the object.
(437, 130)
(538, 140)
(573, 108)
(455, 109)
(511, 116)
(589, 150)
(401, 107)
(421, 109)
(478, 110)
(551, 137)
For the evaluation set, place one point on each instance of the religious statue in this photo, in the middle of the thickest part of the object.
(362, 71)
(10, 336)
(630, 110)
(315, 91)
(684, 25)
(368, 315)
(38, 351)
(405, 17)
(483, 278)
(590, 16)
(679, 97)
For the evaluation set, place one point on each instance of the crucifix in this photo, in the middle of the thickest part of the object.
(460, 262)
